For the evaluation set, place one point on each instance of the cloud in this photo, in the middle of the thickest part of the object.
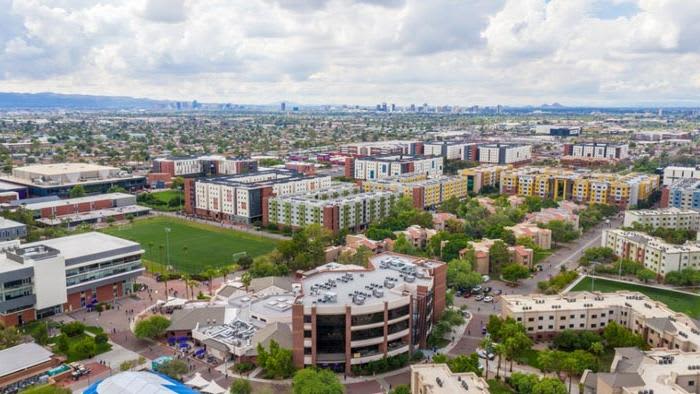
(615, 52)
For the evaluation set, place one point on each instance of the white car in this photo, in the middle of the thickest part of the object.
(482, 354)
(485, 278)
(479, 297)
(488, 299)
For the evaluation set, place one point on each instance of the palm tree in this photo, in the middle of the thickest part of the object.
(186, 278)
(500, 351)
(487, 345)
(210, 274)
(245, 279)
(164, 277)
(192, 284)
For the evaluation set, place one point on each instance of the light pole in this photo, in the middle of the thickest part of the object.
(167, 248)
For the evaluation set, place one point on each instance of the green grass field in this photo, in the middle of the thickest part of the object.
(679, 302)
(194, 247)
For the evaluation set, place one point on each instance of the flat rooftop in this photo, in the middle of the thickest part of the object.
(63, 168)
(671, 211)
(391, 158)
(7, 223)
(442, 380)
(23, 356)
(387, 277)
(87, 244)
(260, 178)
(78, 200)
(93, 215)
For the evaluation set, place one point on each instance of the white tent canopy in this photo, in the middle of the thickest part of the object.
(213, 388)
(197, 381)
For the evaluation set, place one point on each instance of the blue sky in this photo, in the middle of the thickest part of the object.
(462, 52)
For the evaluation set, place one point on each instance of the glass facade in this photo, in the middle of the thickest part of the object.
(16, 289)
(330, 331)
(101, 270)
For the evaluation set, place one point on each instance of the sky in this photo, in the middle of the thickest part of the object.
(458, 52)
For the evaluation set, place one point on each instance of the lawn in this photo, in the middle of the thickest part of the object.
(679, 302)
(529, 357)
(166, 200)
(194, 247)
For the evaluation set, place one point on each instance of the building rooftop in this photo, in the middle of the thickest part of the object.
(672, 211)
(387, 277)
(23, 356)
(63, 168)
(73, 247)
(7, 223)
(392, 158)
(437, 378)
(265, 177)
(75, 201)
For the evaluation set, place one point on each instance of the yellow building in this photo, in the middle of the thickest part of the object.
(482, 176)
(425, 192)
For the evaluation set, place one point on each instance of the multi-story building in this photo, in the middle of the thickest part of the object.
(602, 150)
(636, 371)
(349, 315)
(240, 198)
(499, 153)
(483, 176)
(90, 209)
(417, 235)
(683, 194)
(452, 150)
(655, 253)
(482, 254)
(672, 174)
(584, 187)
(558, 130)
(439, 379)
(425, 192)
(383, 148)
(165, 168)
(566, 212)
(336, 208)
(676, 218)
(543, 316)
(387, 166)
(542, 237)
(59, 179)
(178, 166)
(44, 278)
(9, 230)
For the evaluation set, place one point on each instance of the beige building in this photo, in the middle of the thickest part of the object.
(417, 235)
(482, 254)
(483, 176)
(437, 379)
(441, 220)
(543, 316)
(655, 253)
(675, 218)
(542, 237)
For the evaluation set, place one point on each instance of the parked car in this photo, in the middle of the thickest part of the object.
(487, 289)
(485, 278)
(479, 297)
(467, 294)
(483, 354)
(498, 292)
(476, 289)
(488, 299)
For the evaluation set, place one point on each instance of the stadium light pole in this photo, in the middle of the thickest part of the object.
(167, 247)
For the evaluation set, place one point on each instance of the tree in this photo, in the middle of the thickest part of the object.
(241, 386)
(549, 386)
(498, 255)
(77, 191)
(276, 362)
(515, 345)
(316, 381)
(402, 245)
(40, 334)
(645, 275)
(570, 340)
(378, 233)
(210, 274)
(85, 348)
(152, 327)
(487, 345)
(618, 336)
(245, 262)
(173, 368)
(514, 272)
(500, 350)
(461, 276)
(246, 279)
(464, 363)
(523, 382)
(116, 189)
(401, 389)
(9, 336)
(73, 329)
(562, 231)
(178, 183)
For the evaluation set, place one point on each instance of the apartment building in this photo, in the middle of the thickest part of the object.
(683, 194)
(636, 371)
(676, 218)
(452, 150)
(482, 254)
(565, 212)
(584, 187)
(542, 237)
(439, 379)
(417, 235)
(672, 174)
(241, 198)
(48, 277)
(544, 316)
(441, 220)
(483, 176)
(600, 150)
(558, 130)
(350, 315)
(655, 253)
(425, 192)
(203, 165)
(500, 153)
(335, 208)
(387, 166)
(375, 148)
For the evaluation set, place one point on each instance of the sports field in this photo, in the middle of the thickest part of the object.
(194, 247)
(679, 302)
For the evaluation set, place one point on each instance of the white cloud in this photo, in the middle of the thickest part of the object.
(361, 51)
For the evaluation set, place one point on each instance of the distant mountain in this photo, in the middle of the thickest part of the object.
(76, 101)
(552, 106)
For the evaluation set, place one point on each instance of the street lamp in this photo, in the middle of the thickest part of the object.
(167, 247)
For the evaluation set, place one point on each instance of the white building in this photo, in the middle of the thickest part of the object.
(597, 150)
(439, 379)
(674, 173)
(505, 153)
(675, 218)
(378, 167)
(451, 150)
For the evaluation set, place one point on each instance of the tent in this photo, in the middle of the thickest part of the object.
(197, 381)
(213, 388)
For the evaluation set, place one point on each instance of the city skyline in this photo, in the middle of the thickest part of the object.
(579, 53)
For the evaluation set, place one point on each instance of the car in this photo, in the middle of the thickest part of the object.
(485, 278)
(479, 297)
(476, 289)
(487, 289)
(498, 292)
(483, 331)
(483, 354)
(467, 294)
(488, 299)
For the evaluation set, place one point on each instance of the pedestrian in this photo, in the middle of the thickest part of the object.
(469, 332)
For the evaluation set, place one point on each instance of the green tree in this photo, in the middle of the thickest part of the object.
(515, 345)
(173, 368)
(316, 381)
(401, 389)
(464, 363)
(514, 272)
(617, 335)
(178, 183)
(523, 382)
(276, 362)
(77, 191)
(152, 327)
(241, 386)
(402, 245)
(562, 231)
(487, 345)
(498, 255)
(645, 275)
(85, 348)
(9, 336)
(116, 189)
(549, 386)
(460, 275)
(40, 334)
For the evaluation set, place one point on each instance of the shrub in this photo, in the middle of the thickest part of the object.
(73, 329)
(101, 338)
(244, 367)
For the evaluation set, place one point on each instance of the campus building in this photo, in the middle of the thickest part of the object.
(623, 191)
(499, 153)
(23, 364)
(542, 237)
(424, 192)
(558, 130)
(439, 379)
(482, 254)
(9, 230)
(544, 316)
(90, 209)
(672, 174)
(655, 253)
(349, 315)
(599, 150)
(683, 194)
(240, 198)
(483, 176)
(164, 169)
(375, 148)
(675, 218)
(387, 166)
(58, 179)
(452, 150)
(48, 277)
(335, 208)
